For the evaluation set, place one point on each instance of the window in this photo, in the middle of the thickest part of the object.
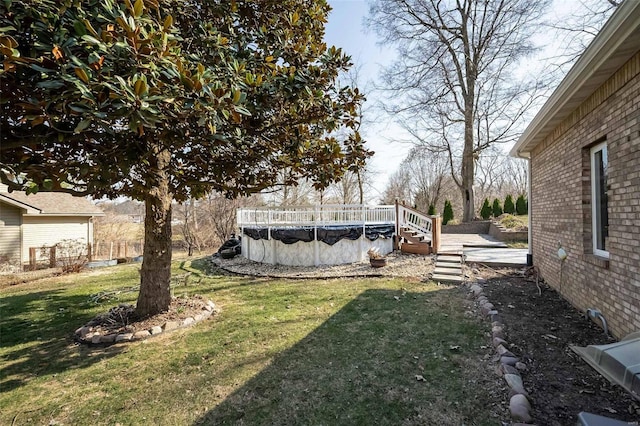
(599, 214)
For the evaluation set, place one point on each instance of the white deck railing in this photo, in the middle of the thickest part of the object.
(414, 220)
(320, 215)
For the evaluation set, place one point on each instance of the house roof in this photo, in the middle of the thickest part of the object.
(51, 203)
(614, 45)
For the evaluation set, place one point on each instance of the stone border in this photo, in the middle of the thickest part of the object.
(509, 365)
(88, 335)
(501, 233)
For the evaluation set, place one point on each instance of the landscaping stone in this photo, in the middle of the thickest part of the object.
(212, 305)
(141, 334)
(509, 360)
(521, 366)
(96, 338)
(492, 313)
(188, 321)
(476, 290)
(497, 341)
(82, 331)
(170, 325)
(496, 317)
(124, 337)
(508, 369)
(156, 329)
(519, 407)
(502, 351)
(497, 331)
(108, 338)
(487, 307)
(515, 382)
(199, 317)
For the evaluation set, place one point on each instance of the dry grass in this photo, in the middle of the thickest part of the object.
(280, 352)
(514, 222)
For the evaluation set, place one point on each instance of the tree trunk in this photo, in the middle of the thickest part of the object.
(155, 276)
(468, 211)
(360, 188)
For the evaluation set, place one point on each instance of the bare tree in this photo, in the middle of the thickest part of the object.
(187, 215)
(398, 187)
(499, 175)
(574, 30)
(452, 80)
(428, 176)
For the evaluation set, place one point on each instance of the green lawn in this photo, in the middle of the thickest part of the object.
(280, 352)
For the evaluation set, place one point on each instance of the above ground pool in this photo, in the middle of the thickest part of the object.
(320, 235)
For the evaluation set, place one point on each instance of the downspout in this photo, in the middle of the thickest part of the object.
(527, 156)
(529, 231)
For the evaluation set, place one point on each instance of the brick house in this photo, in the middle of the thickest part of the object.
(583, 149)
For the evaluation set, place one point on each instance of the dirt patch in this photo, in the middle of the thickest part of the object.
(121, 323)
(540, 329)
(123, 318)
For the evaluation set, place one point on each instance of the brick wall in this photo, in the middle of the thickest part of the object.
(561, 203)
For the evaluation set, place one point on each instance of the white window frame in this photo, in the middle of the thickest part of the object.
(595, 210)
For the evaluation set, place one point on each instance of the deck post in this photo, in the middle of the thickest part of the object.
(363, 254)
(316, 243)
(436, 230)
(396, 237)
(52, 257)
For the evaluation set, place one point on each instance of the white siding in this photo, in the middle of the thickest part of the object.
(10, 221)
(47, 231)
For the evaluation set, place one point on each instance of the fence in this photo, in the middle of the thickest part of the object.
(63, 255)
(107, 250)
(320, 215)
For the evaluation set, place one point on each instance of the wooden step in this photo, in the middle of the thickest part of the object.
(416, 248)
(447, 278)
(414, 237)
(449, 259)
(444, 270)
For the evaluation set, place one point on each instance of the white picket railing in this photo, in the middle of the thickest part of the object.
(319, 215)
(414, 220)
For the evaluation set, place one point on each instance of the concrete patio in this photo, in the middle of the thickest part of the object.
(483, 248)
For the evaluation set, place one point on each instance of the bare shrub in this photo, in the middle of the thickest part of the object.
(70, 254)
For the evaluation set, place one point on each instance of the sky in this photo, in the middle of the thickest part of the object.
(346, 29)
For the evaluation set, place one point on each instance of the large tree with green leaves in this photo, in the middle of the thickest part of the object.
(160, 100)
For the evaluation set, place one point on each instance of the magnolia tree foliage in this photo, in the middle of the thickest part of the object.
(159, 100)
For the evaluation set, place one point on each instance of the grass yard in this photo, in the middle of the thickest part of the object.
(279, 352)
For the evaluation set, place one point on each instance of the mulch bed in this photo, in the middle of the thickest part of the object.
(540, 329)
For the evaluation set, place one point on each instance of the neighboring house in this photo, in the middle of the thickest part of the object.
(584, 157)
(42, 219)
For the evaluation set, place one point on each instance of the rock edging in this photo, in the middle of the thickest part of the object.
(509, 365)
(93, 335)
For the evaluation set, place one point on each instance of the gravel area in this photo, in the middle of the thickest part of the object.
(398, 265)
